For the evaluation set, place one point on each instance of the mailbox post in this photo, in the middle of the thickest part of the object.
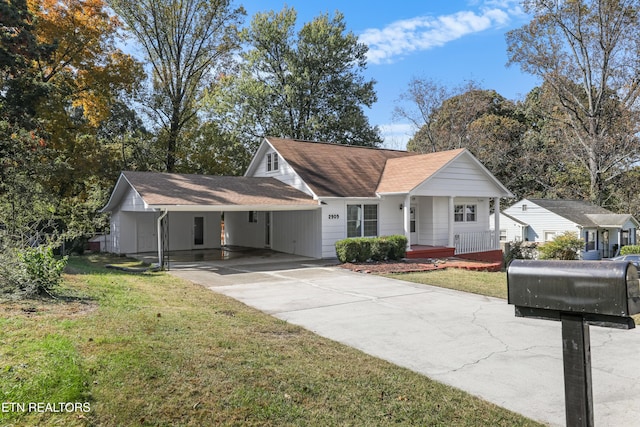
(576, 293)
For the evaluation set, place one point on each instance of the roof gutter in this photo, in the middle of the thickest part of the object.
(235, 208)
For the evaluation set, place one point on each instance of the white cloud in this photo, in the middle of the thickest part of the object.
(426, 32)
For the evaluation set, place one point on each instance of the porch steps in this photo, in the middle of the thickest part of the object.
(419, 252)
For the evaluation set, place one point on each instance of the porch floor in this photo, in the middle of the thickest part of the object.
(424, 251)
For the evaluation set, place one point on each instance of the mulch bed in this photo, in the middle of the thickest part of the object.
(420, 265)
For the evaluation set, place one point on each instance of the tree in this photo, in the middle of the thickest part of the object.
(544, 169)
(60, 73)
(186, 42)
(484, 122)
(84, 63)
(586, 51)
(424, 96)
(306, 85)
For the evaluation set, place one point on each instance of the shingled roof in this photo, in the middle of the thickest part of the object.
(401, 175)
(584, 213)
(188, 190)
(334, 170)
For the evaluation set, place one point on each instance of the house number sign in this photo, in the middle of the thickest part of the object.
(334, 216)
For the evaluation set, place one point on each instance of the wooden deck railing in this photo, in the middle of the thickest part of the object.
(480, 241)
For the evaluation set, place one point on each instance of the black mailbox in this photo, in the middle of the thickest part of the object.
(577, 293)
(604, 293)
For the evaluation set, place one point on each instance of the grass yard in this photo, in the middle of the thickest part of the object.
(149, 349)
(493, 284)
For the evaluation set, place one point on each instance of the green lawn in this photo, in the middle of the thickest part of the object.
(478, 282)
(150, 349)
(492, 284)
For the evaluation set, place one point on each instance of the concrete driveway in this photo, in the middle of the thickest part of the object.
(468, 341)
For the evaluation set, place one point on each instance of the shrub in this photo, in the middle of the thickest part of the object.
(361, 249)
(30, 271)
(566, 246)
(630, 249)
(398, 246)
(348, 250)
(521, 250)
(380, 248)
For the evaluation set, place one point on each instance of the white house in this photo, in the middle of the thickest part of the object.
(541, 220)
(300, 197)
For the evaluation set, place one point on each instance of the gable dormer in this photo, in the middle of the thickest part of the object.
(269, 162)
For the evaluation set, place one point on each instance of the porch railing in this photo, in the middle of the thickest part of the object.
(479, 241)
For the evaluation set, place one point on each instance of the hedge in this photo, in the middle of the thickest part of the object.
(361, 249)
(630, 249)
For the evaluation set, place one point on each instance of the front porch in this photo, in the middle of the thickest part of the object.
(478, 246)
(426, 252)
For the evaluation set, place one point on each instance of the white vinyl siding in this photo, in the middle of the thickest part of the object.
(132, 202)
(462, 178)
(285, 172)
(542, 223)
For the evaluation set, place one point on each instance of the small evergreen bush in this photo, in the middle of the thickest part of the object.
(398, 246)
(361, 249)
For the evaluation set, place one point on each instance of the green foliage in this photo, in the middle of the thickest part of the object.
(398, 248)
(361, 249)
(311, 80)
(630, 249)
(30, 271)
(522, 250)
(566, 246)
(204, 35)
(580, 49)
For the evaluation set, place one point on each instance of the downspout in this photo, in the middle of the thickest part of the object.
(159, 230)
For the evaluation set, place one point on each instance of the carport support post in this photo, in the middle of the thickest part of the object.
(576, 354)
(159, 231)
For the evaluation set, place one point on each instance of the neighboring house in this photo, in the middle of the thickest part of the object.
(301, 197)
(541, 220)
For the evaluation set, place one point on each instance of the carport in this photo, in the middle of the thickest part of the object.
(162, 212)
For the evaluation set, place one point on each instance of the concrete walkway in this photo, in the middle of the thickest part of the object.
(468, 341)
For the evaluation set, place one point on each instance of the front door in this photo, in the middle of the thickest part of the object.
(413, 224)
(198, 231)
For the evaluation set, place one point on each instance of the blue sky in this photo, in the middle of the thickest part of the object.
(449, 41)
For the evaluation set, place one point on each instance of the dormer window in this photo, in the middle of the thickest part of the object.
(272, 162)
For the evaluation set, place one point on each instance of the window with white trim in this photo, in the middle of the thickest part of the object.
(465, 213)
(362, 220)
(272, 162)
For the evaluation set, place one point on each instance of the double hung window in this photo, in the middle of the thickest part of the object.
(465, 213)
(362, 220)
(272, 162)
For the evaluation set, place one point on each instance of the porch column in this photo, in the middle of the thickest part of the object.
(159, 231)
(406, 212)
(496, 216)
(451, 221)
